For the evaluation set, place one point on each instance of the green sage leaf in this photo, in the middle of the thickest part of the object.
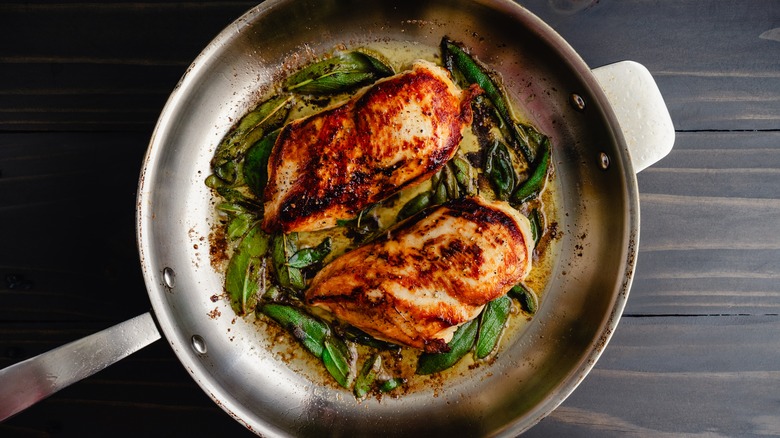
(367, 375)
(462, 341)
(308, 256)
(255, 165)
(527, 298)
(339, 361)
(491, 324)
(499, 169)
(268, 116)
(310, 331)
(244, 277)
(340, 73)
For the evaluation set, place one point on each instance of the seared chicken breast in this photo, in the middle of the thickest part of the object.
(394, 134)
(430, 274)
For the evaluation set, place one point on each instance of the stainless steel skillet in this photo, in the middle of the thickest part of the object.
(230, 359)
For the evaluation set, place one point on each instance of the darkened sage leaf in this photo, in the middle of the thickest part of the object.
(310, 331)
(537, 225)
(414, 206)
(367, 375)
(246, 270)
(268, 116)
(535, 183)
(360, 337)
(457, 58)
(461, 343)
(362, 228)
(308, 256)
(499, 169)
(527, 298)
(255, 165)
(491, 324)
(339, 361)
(341, 73)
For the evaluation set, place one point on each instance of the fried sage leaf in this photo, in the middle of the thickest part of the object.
(341, 73)
(491, 324)
(499, 169)
(255, 167)
(268, 116)
(309, 256)
(367, 375)
(457, 58)
(283, 247)
(535, 183)
(414, 206)
(461, 343)
(339, 361)
(529, 302)
(310, 331)
(245, 275)
(390, 384)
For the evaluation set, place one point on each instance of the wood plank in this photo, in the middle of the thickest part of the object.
(706, 67)
(69, 69)
(69, 48)
(709, 227)
(67, 227)
(675, 376)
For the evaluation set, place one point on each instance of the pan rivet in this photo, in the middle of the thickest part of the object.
(198, 344)
(169, 277)
(604, 160)
(577, 102)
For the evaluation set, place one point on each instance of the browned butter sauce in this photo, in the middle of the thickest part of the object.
(400, 56)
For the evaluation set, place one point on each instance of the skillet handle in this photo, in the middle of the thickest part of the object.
(27, 382)
(640, 110)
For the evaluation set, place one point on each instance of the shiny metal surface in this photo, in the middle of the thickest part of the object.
(598, 222)
(27, 382)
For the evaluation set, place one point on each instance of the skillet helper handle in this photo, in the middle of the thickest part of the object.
(27, 382)
(640, 110)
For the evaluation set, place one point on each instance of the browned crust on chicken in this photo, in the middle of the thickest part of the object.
(334, 164)
(429, 275)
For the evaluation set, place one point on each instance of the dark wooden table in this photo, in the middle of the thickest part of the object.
(696, 353)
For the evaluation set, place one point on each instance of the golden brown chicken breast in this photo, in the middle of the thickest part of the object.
(430, 274)
(332, 165)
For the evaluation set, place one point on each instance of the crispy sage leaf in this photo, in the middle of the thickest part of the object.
(268, 116)
(245, 274)
(465, 174)
(491, 324)
(461, 343)
(457, 58)
(537, 225)
(535, 183)
(390, 384)
(310, 331)
(283, 247)
(308, 256)
(529, 302)
(499, 169)
(367, 375)
(255, 165)
(340, 73)
(339, 361)
(414, 206)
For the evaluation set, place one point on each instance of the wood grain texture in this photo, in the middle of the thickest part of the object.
(696, 353)
(678, 376)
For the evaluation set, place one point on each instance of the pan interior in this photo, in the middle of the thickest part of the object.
(598, 221)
